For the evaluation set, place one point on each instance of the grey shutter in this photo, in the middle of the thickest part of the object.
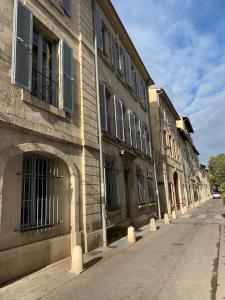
(128, 70)
(67, 77)
(98, 29)
(138, 86)
(148, 147)
(114, 51)
(22, 46)
(66, 4)
(132, 123)
(103, 107)
(118, 106)
(143, 137)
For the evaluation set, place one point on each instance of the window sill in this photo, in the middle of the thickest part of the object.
(112, 213)
(146, 205)
(29, 99)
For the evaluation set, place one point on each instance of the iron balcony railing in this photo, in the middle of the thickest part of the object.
(44, 88)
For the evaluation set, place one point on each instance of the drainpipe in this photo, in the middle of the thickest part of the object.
(102, 183)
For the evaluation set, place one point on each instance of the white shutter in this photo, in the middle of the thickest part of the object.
(143, 136)
(103, 106)
(22, 46)
(66, 4)
(67, 76)
(98, 29)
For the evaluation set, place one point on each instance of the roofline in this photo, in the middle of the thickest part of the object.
(161, 91)
(188, 123)
(101, 3)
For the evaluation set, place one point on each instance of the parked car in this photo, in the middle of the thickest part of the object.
(216, 196)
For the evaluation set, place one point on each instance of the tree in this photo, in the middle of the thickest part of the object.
(217, 169)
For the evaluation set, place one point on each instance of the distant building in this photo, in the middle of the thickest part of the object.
(167, 151)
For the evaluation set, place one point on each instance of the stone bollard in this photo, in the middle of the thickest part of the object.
(185, 209)
(174, 216)
(166, 219)
(198, 203)
(77, 260)
(153, 227)
(192, 205)
(182, 210)
(131, 236)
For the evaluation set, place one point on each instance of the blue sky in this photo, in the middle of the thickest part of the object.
(182, 43)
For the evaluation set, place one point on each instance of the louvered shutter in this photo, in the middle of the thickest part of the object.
(67, 77)
(143, 136)
(103, 107)
(132, 124)
(128, 69)
(113, 49)
(98, 29)
(148, 145)
(66, 4)
(22, 46)
(118, 107)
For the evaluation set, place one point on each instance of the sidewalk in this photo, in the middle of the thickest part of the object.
(40, 283)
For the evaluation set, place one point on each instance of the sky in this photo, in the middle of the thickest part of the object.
(182, 44)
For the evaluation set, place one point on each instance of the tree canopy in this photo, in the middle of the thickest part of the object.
(217, 169)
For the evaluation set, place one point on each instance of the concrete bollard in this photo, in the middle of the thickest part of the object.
(152, 227)
(174, 216)
(166, 219)
(77, 260)
(131, 236)
(182, 210)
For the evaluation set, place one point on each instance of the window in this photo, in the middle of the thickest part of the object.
(66, 5)
(39, 200)
(133, 129)
(151, 188)
(44, 85)
(140, 183)
(111, 184)
(143, 137)
(35, 63)
(102, 32)
(114, 48)
(128, 72)
(118, 108)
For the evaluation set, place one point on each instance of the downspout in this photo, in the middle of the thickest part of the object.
(102, 183)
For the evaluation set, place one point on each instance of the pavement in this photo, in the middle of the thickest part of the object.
(181, 261)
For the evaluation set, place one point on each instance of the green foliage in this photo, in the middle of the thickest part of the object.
(222, 189)
(217, 169)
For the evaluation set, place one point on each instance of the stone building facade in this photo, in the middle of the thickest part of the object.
(167, 150)
(49, 151)
(196, 182)
(126, 135)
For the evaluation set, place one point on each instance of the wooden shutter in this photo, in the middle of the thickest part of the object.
(114, 50)
(98, 29)
(128, 69)
(22, 46)
(66, 4)
(132, 124)
(103, 106)
(67, 77)
(118, 107)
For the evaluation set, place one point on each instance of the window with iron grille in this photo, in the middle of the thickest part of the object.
(111, 184)
(39, 200)
(141, 188)
(151, 188)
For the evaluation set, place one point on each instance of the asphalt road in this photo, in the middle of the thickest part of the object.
(179, 262)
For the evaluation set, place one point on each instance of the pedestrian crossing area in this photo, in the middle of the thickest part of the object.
(203, 216)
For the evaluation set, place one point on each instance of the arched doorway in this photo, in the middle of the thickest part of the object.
(176, 189)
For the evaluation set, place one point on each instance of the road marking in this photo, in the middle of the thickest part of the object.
(201, 216)
(217, 216)
(186, 216)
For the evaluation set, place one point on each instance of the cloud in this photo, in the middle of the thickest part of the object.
(182, 45)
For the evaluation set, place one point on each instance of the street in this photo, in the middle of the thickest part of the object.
(179, 262)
